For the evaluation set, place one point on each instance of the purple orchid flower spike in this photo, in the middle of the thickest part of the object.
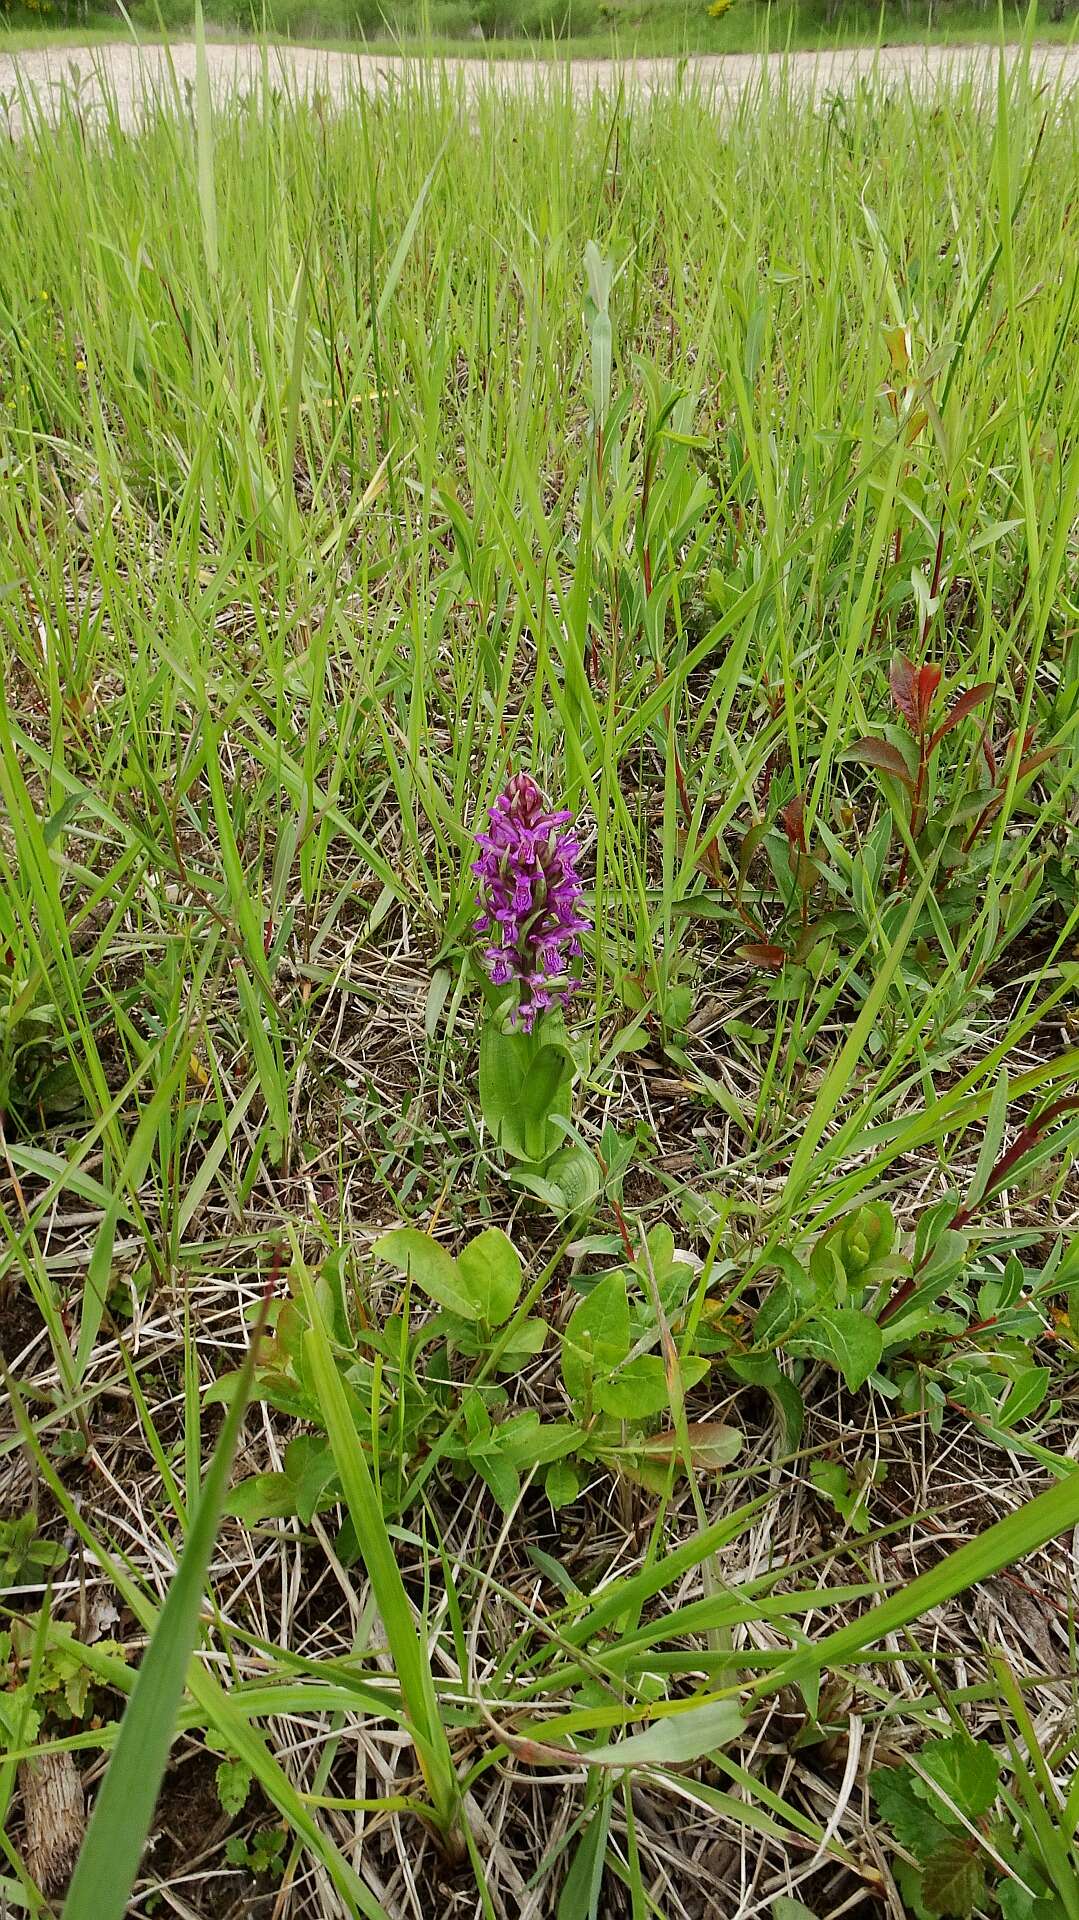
(529, 898)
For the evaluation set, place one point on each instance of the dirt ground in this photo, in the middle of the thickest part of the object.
(134, 74)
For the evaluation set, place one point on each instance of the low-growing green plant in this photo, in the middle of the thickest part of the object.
(967, 1841)
(953, 1317)
(48, 1681)
(262, 1852)
(37, 1081)
(25, 1555)
(848, 1494)
(410, 1388)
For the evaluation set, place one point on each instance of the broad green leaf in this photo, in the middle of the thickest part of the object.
(499, 1473)
(931, 1224)
(427, 1263)
(832, 1479)
(262, 1496)
(901, 1803)
(522, 1086)
(562, 1483)
(489, 1272)
(712, 1445)
(967, 1769)
(1024, 1396)
(783, 1908)
(543, 1082)
(791, 1409)
(852, 1341)
(569, 1182)
(637, 1390)
(998, 530)
(949, 1254)
(674, 1740)
(309, 1464)
(530, 1442)
(784, 1305)
(526, 1339)
(503, 1065)
(1017, 1903)
(597, 1336)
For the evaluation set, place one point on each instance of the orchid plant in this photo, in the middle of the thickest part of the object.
(531, 912)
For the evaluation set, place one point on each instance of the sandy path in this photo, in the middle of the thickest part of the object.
(136, 75)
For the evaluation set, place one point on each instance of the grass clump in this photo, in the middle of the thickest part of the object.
(650, 1410)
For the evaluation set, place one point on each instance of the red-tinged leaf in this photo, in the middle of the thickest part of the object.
(954, 1877)
(792, 820)
(1028, 742)
(903, 681)
(965, 704)
(988, 755)
(711, 1444)
(760, 954)
(809, 935)
(754, 838)
(1035, 760)
(767, 775)
(881, 755)
(928, 682)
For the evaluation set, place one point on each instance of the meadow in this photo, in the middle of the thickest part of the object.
(626, 1467)
(496, 29)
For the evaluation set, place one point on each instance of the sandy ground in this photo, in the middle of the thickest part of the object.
(138, 75)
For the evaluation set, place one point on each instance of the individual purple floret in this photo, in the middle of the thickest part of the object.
(529, 895)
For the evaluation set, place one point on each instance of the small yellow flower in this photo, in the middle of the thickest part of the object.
(80, 366)
(718, 8)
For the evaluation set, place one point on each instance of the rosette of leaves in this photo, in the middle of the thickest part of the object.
(628, 1357)
(820, 1309)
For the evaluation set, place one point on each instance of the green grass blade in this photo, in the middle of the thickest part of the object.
(1043, 1519)
(109, 1858)
(406, 1645)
